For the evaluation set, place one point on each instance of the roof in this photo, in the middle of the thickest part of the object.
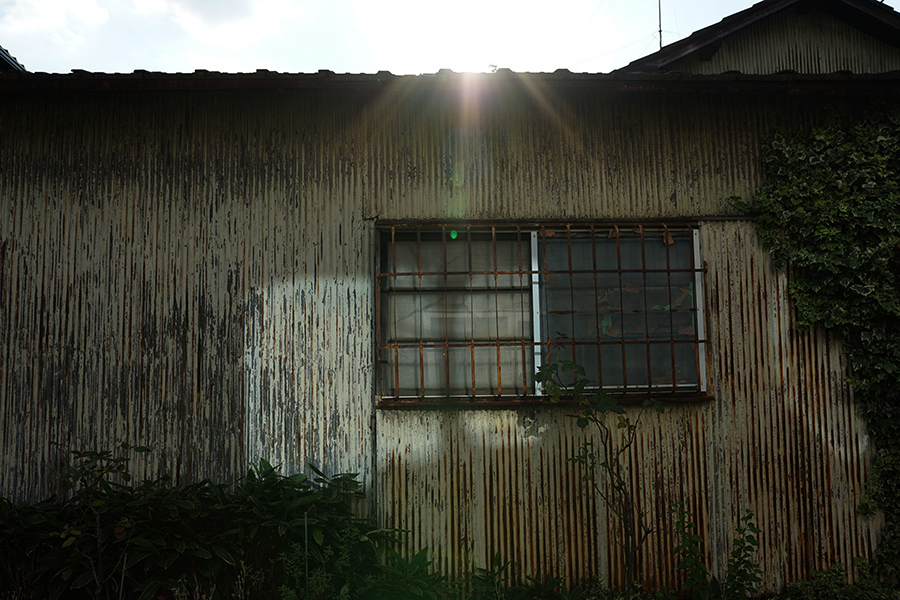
(445, 81)
(8, 62)
(870, 16)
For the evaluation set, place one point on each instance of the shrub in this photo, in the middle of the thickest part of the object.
(832, 585)
(742, 573)
(106, 538)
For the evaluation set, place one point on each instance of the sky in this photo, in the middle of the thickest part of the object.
(347, 36)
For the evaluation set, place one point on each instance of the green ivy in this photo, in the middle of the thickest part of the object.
(829, 210)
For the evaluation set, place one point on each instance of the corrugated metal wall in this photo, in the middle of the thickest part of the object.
(807, 42)
(781, 439)
(173, 275)
(193, 271)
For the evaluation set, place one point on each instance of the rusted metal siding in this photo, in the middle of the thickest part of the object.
(787, 441)
(538, 154)
(808, 42)
(174, 275)
(781, 438)
(194, 271)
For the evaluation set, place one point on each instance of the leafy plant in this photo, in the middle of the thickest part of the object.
(491, 583)
(605, 466)
(341, 565)
(692, 561)
(106, 538)
(408, 579)
(742, 573)
(832, 584)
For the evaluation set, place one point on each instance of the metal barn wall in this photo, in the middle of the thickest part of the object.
(807, 42)
(781, 438)
(175, 273)
(194, 271)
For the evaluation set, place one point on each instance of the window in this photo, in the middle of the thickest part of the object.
(471, 312)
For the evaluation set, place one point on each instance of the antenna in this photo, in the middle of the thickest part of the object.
(659, 8)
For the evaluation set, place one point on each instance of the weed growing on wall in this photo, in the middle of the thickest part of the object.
(605, 466)
(742, 572)
(829, 210)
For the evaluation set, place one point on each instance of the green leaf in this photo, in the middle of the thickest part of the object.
(82, 580)
(134, 558)
(149, 591)
(224, 555)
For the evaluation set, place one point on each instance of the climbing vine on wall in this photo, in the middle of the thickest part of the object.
(829, 210)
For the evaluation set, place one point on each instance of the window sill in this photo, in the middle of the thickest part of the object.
(495, 402)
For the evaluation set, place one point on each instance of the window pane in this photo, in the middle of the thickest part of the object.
(643, 302)
(512, 371)
(630, 252)
(636, 366)
(686, 363)
(613, 371)
(661, 365)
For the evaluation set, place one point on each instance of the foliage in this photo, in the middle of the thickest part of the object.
(496, 583)
(491, 583)
(830, 209)
(610, 458)
(832, 585)
(106, 538)
(399, 578)
(692, 561)
(742, 573)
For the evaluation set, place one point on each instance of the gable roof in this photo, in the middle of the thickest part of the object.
(872, 18)
(8, 62)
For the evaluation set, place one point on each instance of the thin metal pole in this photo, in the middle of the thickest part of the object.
(659, 9)
(122, 580)
(306, 543)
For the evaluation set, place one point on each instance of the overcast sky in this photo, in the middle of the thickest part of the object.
(346, 36)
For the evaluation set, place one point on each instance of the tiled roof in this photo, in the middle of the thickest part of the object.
(8, 62)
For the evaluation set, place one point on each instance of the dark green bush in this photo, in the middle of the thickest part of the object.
(106, 538)
(832, 585)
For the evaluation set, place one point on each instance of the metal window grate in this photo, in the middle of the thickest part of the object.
(470, 312)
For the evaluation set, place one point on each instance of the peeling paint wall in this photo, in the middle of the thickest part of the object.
(173, 275)
(194, 271)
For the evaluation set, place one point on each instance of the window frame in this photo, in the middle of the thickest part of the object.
(387, 232)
